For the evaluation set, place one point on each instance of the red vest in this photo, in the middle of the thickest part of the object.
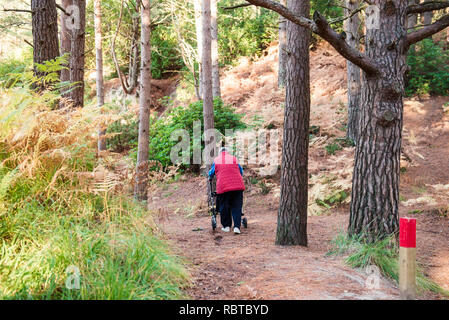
(228, 173)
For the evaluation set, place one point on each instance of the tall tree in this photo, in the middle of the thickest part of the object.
(73, 29)
(282, 49)
(375, 186)
(208, 100)
(99, 65)
(292, 215)
(216, 91)
(141, 183)
(199, 40)
(45, 34)
(352, 29)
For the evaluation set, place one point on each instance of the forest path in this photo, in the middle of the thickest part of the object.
(250, 265)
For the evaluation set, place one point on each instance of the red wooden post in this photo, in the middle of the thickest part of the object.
(407, 258)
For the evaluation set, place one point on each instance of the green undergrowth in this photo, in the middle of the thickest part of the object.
(384, 254)
(55, 229)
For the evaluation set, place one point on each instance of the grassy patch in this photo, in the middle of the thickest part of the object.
(384, 254)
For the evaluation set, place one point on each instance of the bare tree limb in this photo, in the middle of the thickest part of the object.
(348, 16)
(17, 10)
(29, 43)
(62, 9)
(426, 32)
(321, 27)
(427, 6)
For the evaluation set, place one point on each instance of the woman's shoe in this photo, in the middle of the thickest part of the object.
(227, 229)
(236, 230)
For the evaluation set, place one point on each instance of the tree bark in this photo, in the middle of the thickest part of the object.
(292, 215)
(375, 186)
(216, 91)
(354, 83)
(99, 67)
(199, 41)
(134, 52)
(412, 18)
(45, 35)
(141, 184)
(282, 69)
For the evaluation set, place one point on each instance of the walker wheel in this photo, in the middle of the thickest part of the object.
(214, 223)
(245, 223)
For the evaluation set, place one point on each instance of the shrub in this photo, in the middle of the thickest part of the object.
(123, 134)
(184, 118)
(429, 69)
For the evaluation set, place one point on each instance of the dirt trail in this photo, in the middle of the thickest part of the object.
(250, 266)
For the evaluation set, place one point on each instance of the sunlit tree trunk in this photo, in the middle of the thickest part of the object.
(45, 34)
(282, 49)
(141, 183)
(215, 63)
(99, 65)
(135, 52)
(292, 215)
(208, 101)
(66, 39)
(352, 26)
(199, 41)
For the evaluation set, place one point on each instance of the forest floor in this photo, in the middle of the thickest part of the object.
(249, 265)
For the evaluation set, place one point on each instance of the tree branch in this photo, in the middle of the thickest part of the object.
(427, 6)
(321, 27)
(426, 32)
(17, 10)
(242, 5)
(29, 43)
(352, 13)
(62, 9)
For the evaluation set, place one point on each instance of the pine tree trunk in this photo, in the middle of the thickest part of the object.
(354, 83)
(199, 41)
(140, 190)
(375, 185)
(66, 42)
(292, 215)
(412, 19)
(215, 64)
(134, 52)
(282, 49)
(208, 100)
(76, 94)
(45, 34)
(99, 66)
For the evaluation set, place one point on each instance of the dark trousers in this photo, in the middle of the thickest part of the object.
(229, 205)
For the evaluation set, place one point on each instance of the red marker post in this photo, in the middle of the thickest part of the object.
(407, 258)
